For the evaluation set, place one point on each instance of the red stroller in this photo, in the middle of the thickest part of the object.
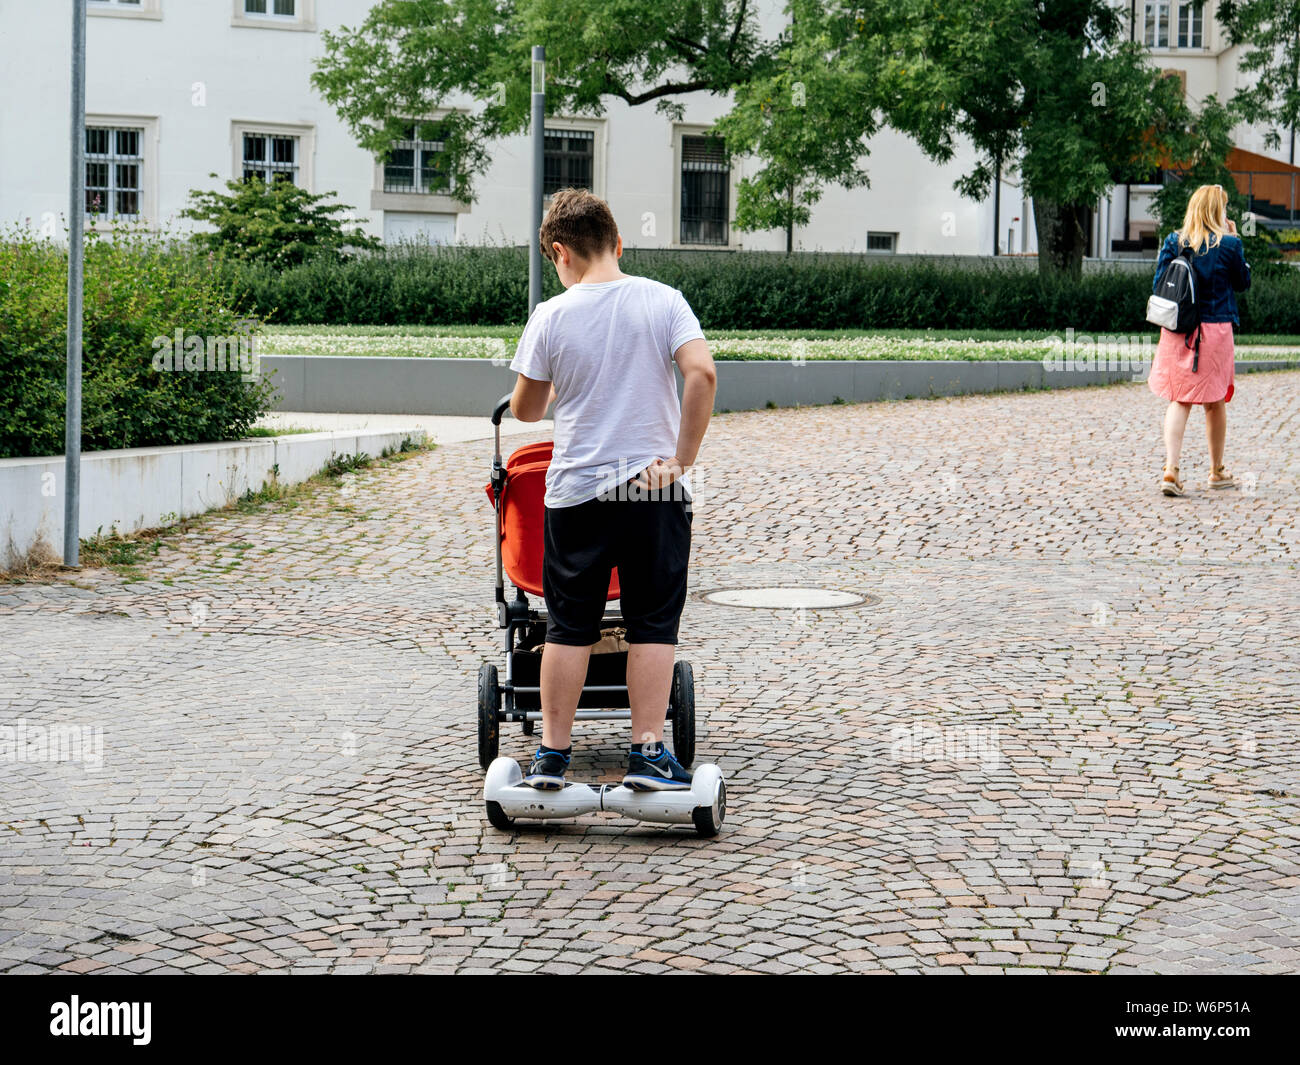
(517, 490)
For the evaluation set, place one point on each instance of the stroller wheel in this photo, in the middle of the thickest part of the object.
(681, 704)
(530, 727)
(489, 733)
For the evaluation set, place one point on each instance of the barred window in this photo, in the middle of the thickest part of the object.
(150, 9)
(114, 172)
(418, 161)
(1191, 21)
(706, 190)
(270, 8)
(569, 157)
(270, 157)
(1155, 30)
(886, 243)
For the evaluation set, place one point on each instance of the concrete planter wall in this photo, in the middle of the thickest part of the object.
(143, 488)
(384, 385)
(361, 384)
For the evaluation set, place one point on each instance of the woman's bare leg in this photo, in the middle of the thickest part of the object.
(1216, 431)
(1175, 426)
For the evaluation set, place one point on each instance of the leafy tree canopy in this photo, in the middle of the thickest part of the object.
(1269, 31)
(1199, 156)
(1053, 88)
(412, 58)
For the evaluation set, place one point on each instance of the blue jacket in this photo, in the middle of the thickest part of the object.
(1221, 272)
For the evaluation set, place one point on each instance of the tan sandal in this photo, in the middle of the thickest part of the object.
(1221, 478)
(1170, 485)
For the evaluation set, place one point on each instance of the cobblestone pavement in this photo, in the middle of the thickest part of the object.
(1063, 739)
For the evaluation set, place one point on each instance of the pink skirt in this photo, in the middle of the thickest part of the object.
(1171, 371)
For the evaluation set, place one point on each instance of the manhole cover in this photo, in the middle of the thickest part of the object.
(786, 598)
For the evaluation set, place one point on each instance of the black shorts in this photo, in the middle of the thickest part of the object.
(649, 540)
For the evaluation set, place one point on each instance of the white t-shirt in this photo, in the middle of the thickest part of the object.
(608, 350)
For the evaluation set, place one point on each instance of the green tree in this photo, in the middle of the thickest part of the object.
(412, 58)
(279, 224)
(1201, 158)
(1050, 87)
(808, 115)
(1080, 105)
(1054, 90)
(1269, 32)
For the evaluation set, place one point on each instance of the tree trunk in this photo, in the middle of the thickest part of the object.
(1062, 236)
(789, 222)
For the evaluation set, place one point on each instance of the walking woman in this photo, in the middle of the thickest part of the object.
(1178, 375)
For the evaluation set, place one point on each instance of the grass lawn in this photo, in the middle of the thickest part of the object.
(485, 342)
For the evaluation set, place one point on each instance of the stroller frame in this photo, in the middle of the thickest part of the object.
(604, 696)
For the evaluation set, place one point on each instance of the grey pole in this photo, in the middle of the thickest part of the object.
(539, 163)
(997, 201)
(76, 268)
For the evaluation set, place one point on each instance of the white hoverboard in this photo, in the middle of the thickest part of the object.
(507, 799)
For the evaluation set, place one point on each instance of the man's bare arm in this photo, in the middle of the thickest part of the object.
(530, 399)
(701, 385)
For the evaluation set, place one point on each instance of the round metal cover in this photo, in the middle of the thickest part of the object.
(785, 598)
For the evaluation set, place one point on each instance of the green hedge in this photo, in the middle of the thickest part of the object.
(744, 290)
(136, 290)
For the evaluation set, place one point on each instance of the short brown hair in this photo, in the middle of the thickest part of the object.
(583, 223)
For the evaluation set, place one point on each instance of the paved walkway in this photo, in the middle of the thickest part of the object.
(1064, 738)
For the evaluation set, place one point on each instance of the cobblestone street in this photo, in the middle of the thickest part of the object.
(1061, 736)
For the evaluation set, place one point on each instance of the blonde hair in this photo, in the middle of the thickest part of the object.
(1206, 219)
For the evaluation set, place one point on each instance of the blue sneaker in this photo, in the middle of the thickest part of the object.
(649, 769)
(548, 768)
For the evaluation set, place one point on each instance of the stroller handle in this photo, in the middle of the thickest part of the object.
(498, 482)
(503, 405)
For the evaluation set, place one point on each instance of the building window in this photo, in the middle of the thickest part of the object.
(1155, 32)
(270, 157)
(882, 243)
(114, 172)
(299, 15)
(706, 190)
(417, 162)
(270, 8)
(419, 227)
(145, 9)
(569, 161)
(1190, 25)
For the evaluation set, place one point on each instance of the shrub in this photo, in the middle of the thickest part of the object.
(402, 285)
(738, 290)
(136, 289)
(279, 224)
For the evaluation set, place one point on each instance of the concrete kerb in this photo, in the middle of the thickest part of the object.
(141, 488)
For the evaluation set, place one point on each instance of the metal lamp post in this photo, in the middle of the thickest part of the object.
(76, 271)
(539, 157)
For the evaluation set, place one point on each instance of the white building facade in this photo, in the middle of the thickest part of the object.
(178, 90)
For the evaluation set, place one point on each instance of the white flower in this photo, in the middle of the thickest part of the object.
(723, 347)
